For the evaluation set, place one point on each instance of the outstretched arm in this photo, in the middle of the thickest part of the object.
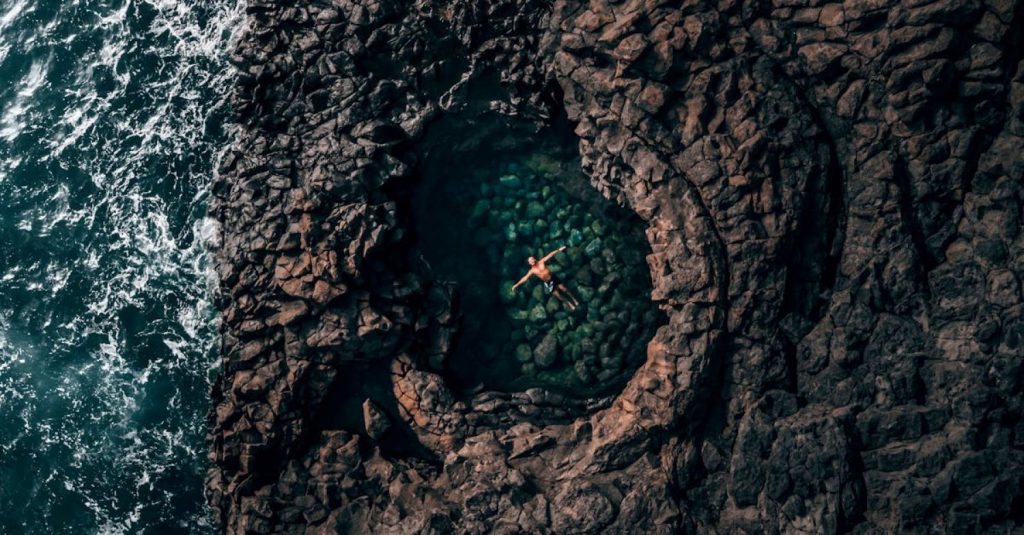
(552, 253)
(522, 280)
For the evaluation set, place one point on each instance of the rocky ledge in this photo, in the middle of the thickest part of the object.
(831, 192)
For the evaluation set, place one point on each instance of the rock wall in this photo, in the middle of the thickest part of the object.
(832, 193)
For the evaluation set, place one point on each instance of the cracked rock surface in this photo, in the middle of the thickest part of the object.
(832, 197)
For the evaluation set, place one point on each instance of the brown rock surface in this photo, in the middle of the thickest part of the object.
(832, 194)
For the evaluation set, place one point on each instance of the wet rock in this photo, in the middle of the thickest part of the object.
(581, 509)
(375, 422)
(289, 313)
(830, 193)
(1003, 288)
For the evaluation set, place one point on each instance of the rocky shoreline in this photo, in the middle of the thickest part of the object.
(832, 198)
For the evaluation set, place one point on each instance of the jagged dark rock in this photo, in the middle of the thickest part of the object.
(832, 197)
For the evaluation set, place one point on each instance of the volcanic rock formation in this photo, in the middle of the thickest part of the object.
(832, 197)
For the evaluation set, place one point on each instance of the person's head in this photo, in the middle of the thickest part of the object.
(532, 261)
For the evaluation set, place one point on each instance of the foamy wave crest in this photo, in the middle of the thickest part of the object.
(108, 134)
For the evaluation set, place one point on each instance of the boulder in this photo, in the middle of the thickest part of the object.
(375, 422)
(546, 352)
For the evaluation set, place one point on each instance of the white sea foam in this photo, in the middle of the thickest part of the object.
(14, 118)
(12, 13)
(75, 394)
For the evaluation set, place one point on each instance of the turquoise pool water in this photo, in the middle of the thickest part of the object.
(479, 223)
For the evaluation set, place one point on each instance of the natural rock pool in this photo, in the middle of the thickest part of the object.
(479, 217)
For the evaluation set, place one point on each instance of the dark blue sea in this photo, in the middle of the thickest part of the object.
(112, 117)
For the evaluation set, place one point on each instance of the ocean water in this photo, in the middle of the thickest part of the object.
(112, 116)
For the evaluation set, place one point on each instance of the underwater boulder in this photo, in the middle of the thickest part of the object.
(584, 276)
(481, 209)
(530, 332)
(510, 181)
(575, 238)
(583, 372)
(535, 210)
(611, 362)
(546, 352)
(525, 229)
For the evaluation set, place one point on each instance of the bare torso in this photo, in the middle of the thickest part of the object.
(541, 271)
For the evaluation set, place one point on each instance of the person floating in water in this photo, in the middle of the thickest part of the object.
(551, 282)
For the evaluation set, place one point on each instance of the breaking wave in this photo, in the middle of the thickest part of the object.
(111, 117)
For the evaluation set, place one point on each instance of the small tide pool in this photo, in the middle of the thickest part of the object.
(479, 214)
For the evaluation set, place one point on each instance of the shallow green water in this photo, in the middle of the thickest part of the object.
(477, 227)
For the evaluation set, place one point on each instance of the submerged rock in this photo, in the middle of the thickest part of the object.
(546, 352)
(524, 353)
(542, 227)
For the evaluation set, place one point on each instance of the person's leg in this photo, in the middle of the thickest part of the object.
(558, 295)
(566, 291)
